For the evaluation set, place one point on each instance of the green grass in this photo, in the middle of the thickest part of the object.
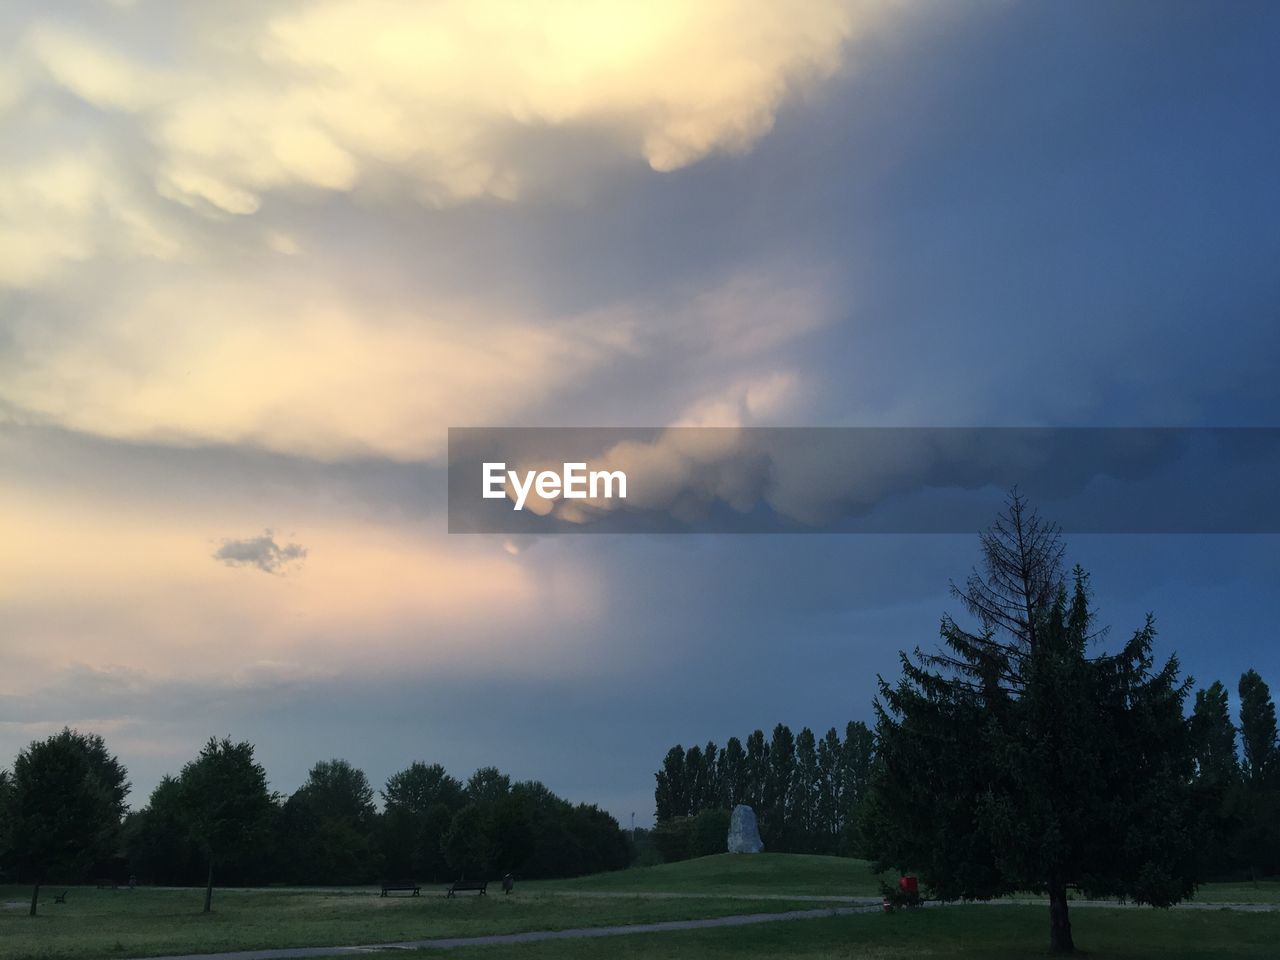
(105, 923)
(1264, 891)
(727, 874)
(946, 933)
(771, 874)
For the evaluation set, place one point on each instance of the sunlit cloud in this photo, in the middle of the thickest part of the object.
(308, 370)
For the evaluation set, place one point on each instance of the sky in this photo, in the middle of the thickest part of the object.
(257, 258)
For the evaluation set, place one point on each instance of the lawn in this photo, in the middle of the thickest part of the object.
(800, 875)
(730, 875)
(106, 923)
(946, 933)
(1264, 891)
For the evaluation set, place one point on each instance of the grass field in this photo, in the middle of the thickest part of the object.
(947, 933)
(103, 923)
(94, 924)
(800, 875)
(770, 873)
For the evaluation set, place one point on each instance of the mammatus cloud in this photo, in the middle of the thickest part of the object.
(262, 552)
(436, 103)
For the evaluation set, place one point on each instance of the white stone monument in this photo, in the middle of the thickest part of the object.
(744, 835)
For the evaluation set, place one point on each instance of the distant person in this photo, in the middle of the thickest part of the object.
(508, 883)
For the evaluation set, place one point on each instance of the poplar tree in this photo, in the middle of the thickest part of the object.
(1258, 729)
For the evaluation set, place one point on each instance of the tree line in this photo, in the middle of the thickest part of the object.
(805, 791)
(64, 818)
(1019, 755)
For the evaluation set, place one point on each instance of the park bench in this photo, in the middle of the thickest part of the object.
(62, 897)
(402, 886)
(461, 885)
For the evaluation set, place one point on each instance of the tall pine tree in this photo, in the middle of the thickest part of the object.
(1013, 760)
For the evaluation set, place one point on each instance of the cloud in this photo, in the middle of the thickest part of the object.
(381, 590)
(308, 368)
(439, 92)
(69, 205)
(262, 552)
(227, 104)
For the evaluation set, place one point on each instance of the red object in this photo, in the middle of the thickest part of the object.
(909, 885)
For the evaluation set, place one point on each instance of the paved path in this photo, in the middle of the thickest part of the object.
(664, 926)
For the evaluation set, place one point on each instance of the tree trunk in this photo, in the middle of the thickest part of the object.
(1059, 923)
(208, 891)
(35, 896)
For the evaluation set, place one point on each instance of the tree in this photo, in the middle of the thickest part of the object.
(420, 786)
(805, 789)
(327, 826)
(711, 792)
(830, 801)
(225, 803)
(66, 801)
(1254, 806)
(733, 772)
(1213, 737)
(857, 757)
(468, 844)
(671, 795)
(756, 770)
(1258, 730)
(513, 835)
(6, 813)
(780, 773)
(156, 839)
(420, 803)
(695, 778)
(487, 786)
(1012, 760)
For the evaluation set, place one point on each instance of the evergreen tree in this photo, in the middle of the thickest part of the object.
(1258, 730)
(1011, 760)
